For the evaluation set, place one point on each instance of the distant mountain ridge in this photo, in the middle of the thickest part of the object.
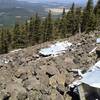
(82, 2)
(8, 3)
(23, 3)
(9, 9)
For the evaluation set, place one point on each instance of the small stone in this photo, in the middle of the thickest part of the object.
(22, 96)
(53, 81)
(55, 95)
(52, 70)
(32, 83)
(61, 89)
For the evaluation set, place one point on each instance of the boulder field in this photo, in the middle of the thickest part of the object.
(25, 75)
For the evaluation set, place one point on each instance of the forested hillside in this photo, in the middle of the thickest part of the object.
(47, 59)
(35, 30)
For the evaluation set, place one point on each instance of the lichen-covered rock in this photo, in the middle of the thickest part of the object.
(61, 89)
(55, 95)
(34, 95)
(53, 81)
(52, 70)
(4, 95)
(61, 78)
(22, 96)
(16, 91)
(45, 97)
(32, 84)
(57, 79)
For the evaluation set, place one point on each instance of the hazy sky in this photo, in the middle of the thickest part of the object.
(80, 1)
(53, 0)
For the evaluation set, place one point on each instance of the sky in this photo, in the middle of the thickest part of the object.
(59, 1)
(51, 0)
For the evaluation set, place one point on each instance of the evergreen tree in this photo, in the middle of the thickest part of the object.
(26, 31)
(45, 30)
(78, 17)
(56, 30)
(24, 35)
(72, 9)
(62, 27)
(31, 31)
(42, 32)
(71, 20)
(88, 22)
(8, 37)
(64, 12)
(49, 26)
(18, 41)
(37, 24)
(3, 42)
(97, 8)
(97, 14)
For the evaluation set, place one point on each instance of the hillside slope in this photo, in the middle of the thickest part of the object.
(25, 75)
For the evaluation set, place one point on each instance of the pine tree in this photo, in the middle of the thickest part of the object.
(4, 43)
(62, 27)
(88, 22)
(78, 17)
(8, 37)
(26, 31)
(72, 9)
(97, 14)
(49, 26)
(71, 20)
(31, 31)
(64, 12)
(37, 24)
(24, 35)
(56, 29)
(62, 24)
(97, 8)
(42, 32)
(31, 24)
(18, 41)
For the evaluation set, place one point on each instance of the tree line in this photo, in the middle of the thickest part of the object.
(37, 30)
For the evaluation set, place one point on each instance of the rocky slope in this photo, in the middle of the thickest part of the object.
(24, 75)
